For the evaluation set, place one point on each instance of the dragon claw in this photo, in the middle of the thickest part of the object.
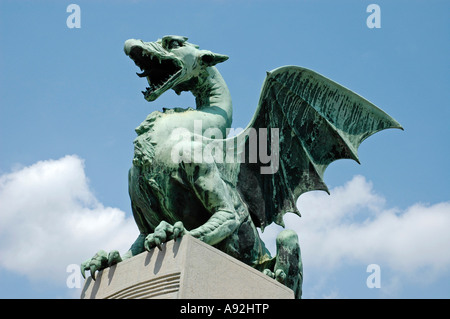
(84, 266)
(269, 273)
(114, 258)
(99, 262)
(146, 244)
(154, 240)
(92, 269)
(158, 242)
(163, 233)
(178, 230)
(279, 275)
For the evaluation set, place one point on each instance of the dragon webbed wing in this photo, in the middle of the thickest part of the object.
(318, 121)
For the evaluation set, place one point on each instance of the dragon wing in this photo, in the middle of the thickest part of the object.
(317, 122)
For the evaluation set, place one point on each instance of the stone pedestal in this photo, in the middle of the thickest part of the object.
(185, 269)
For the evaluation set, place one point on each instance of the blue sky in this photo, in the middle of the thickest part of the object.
(70, 100)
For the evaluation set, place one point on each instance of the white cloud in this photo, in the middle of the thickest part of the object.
(49, 218)
(353, 226)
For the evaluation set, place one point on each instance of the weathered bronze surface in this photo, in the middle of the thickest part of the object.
(189, 177)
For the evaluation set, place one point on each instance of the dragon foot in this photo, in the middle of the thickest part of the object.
(279, 275)
(163, 233)
(288, 268)
(100, 261)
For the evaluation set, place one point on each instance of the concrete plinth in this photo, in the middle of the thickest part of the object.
(185, 269)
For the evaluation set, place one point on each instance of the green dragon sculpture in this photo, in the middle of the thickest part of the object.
(221, 197)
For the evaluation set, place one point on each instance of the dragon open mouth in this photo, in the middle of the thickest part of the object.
(160, 72)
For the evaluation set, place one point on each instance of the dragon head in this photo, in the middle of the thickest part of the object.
(169, 63)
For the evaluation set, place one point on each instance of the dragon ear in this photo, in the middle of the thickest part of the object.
(209, 58)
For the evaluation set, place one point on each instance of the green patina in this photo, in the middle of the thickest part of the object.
(310, 121)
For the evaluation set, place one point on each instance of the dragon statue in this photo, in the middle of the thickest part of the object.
(218, 190)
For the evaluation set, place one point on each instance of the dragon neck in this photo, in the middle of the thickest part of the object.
(213, 97)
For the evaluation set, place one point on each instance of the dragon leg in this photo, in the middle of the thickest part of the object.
(288, 268)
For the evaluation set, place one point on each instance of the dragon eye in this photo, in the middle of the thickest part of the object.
(174, 44)
(170, 42)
